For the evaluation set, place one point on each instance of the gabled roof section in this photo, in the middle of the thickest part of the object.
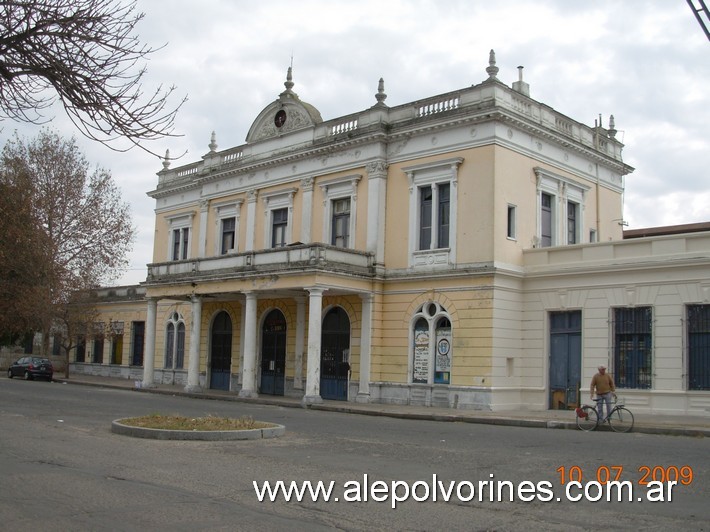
(288, 113)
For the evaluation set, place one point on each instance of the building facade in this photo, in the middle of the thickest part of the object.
(465, 251)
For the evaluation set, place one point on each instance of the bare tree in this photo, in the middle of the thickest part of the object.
(85, 228)
(22, 271)
(85, 53)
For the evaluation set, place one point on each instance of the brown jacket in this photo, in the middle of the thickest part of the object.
(602, 383)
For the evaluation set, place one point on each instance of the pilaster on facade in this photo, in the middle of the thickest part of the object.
(307, 208)
(252, 197)
(149, 354)
(363, 394)
(376, 211)
(193, 367)
(204, 214)
(300, 338)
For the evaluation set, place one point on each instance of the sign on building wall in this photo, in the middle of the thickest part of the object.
(421, 355)
(442, 369)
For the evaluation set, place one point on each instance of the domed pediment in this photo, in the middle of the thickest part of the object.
(288, 113)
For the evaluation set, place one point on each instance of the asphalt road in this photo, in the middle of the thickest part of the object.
(61, 468)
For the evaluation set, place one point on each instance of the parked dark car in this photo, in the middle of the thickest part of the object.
(31, 368)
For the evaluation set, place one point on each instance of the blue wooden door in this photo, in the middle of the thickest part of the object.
(273, 354)
(565, 359)
(335, 355)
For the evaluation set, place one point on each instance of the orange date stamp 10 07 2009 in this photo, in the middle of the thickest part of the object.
(614, 473)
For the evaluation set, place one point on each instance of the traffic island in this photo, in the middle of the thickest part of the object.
(158, 427)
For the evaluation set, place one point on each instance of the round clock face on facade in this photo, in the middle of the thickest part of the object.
(280, 118)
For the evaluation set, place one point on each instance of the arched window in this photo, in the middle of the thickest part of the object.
(431, 345)
(175, 342)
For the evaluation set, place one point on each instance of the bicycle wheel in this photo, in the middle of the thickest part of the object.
(588, 420)
(621, 420)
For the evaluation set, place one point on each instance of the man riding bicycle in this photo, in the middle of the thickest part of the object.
(603, 384)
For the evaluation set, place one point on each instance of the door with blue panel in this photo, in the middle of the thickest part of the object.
(221, 352)
(565, 359)
(273, 354)
(335, 355)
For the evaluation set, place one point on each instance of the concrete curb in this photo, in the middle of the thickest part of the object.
(202, 435)
(639, 428)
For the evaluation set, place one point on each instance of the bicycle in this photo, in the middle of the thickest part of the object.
(620, 418)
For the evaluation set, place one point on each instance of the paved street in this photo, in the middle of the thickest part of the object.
(62, 469)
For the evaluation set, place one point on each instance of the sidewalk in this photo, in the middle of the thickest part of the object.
(697, 426)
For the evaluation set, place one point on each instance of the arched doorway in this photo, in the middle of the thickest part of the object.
(335, 355)
(273, 353)
(221, 352)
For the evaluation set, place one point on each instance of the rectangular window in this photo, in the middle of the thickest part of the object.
(545, 220)
(81, 349)
(279, 223)
(571, 223)
(29, 343)
(97, 355)
(228, 235)
(434, 225)
(138, 342)
(176, 244)
(511, 222)
(444, 216)
(57, 345)
(699, 347)
(181, 238)
(180, 347)
(632, 347)
(425, 198)
(592, 235)
(117, 350)
(169, 346)
(341, 223)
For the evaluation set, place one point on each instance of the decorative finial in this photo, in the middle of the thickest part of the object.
(612, 127)
(213, 142)
(492, 69)
(381, 96)
(166, 161)
(289, 79)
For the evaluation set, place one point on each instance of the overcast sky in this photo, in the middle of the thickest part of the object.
(647, 62)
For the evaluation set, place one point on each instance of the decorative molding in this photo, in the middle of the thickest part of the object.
(307, 184)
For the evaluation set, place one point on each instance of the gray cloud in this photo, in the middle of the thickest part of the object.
(648, 63)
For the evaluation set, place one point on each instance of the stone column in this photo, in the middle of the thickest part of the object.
(363, 394)
(315, 306)
(249, 368)
(242, 328)
(300, 337)
(149, 354)
(193, 368)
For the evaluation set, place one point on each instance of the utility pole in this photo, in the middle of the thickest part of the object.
(699, 8)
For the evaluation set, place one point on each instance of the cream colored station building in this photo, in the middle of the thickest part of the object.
(465, 250)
